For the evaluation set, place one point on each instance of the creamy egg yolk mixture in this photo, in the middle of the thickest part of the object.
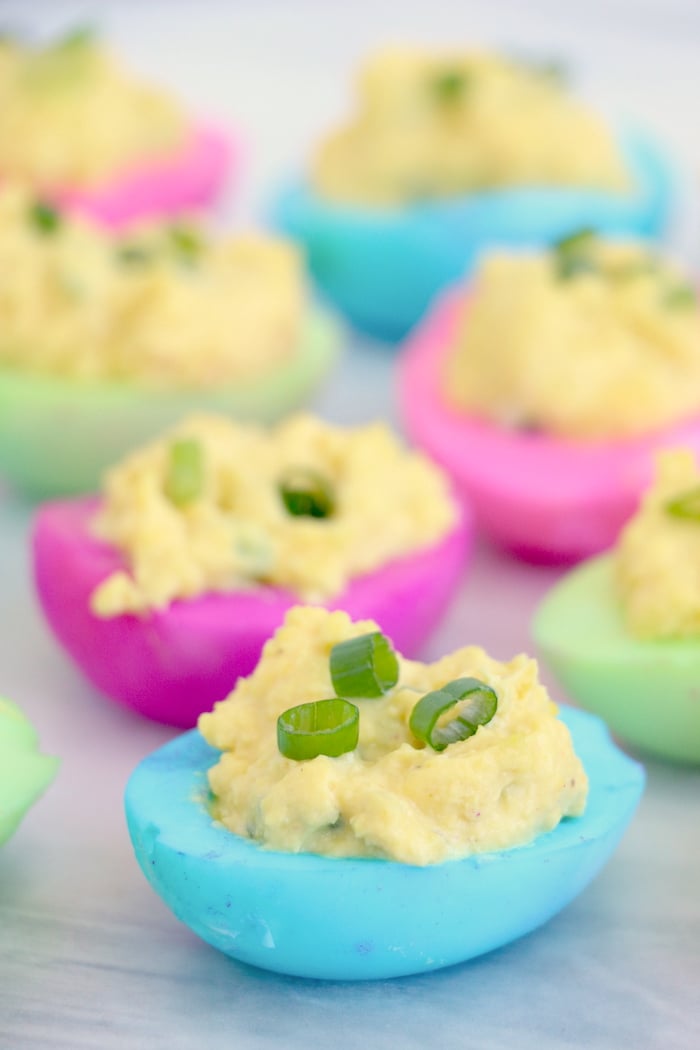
(391, 797)
(238, 531)
(69, 116)
(595, 344)
(657, 558)
(437, 125)
(164, 306)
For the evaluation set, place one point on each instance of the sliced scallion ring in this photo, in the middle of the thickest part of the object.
(187, 243)
(320, 727)
(44, 218)
(306, 494)
(81, 36)
(685, 505)
(365, 667)
(480, 708)
(680, 297)
(450, 85)
(184, 478)
(554, 70)
(572, 254)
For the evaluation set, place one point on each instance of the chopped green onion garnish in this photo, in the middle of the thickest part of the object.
(306, 494)
(686, 505)
(78, 37)
(480, 709)
(364, 667)
(573, 265)
(554, 70)
(187, 242)
(44, 218)
(680, 297)
(133, 254)
(450, 85)
(575, 242)
(572, 254)
(321, 727)
(184, 477)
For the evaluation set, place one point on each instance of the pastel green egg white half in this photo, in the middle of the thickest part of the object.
(24, 772)
(58, 435)
(647, 691)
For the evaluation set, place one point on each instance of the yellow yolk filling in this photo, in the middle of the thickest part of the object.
(434, 126)
(237, 532)
(657, 557)
(69, 115)
(392, 797)
(606, 352)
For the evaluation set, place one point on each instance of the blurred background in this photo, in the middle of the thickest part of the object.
(281, 70)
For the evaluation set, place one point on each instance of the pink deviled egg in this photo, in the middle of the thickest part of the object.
(165, 587)
(546, 387)
(87, 135)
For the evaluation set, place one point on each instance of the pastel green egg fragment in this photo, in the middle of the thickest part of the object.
(647, 691)
(622, 632)
(24, 772)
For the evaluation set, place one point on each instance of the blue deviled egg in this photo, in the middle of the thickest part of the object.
(464, 812)
(452, 153)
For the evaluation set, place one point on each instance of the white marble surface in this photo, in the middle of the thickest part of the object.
(90, 959)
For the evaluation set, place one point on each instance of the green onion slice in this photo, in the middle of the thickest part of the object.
(306, 494)
(480, 708)
(554, 70)
(450, 85)
(685, 505)
(572, 254)
(81, 36)
(184, 478)
(365, 667)
(576, 241)
(321, 727)
(187, 243)
(680, 297)
(133, 254)
(44, 218)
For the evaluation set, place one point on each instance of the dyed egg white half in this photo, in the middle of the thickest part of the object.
(647, 691)
(24, 772)
(357, 919)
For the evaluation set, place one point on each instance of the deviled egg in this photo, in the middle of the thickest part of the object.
(105, 340)
(165, 588)
(349, 814)
(447, 155)
(546, 386)
(622, 631)
(83, 133)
